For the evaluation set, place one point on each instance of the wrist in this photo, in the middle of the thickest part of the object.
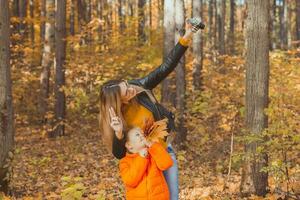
(119, 134)
(188, 35)
(184, 41)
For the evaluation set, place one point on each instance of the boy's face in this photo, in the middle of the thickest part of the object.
(135, 141)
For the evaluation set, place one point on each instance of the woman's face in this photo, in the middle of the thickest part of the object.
(127, 92)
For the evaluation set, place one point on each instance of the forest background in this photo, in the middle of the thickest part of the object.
(56, 54)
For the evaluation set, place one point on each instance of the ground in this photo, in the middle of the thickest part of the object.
(47, 169)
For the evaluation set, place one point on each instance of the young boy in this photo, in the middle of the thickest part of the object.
(141, 168)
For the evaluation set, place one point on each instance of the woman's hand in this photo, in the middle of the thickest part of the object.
(116, 123)
(191, 27)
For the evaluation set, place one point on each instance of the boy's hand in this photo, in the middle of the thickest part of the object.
(143, 152)
(148, 143)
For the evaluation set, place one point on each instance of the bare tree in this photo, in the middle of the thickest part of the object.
(43, 16)
(100, 11)
(81, 16)
(72, 17)
(215, 29)
(284, 25)
(197, 47)
(298, 21)
(47, 58)
(15, 8)
(60, 54)
(6, 101)
(210, 21)
(150, 14)
(31, 11)
(121, 16)
(231, 35)
(88, 10)
(167, 93)
(254, 181)
(22, 15)
(180, 73)
(141, 21)
(221, 26)
(272, 27)
(131, 10)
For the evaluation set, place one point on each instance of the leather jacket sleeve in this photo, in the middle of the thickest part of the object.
(118, 147)
(161, 72)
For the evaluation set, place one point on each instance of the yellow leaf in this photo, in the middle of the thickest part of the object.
(158, 130)
(226, 127)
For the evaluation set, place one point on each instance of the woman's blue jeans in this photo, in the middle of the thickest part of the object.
(171, 175)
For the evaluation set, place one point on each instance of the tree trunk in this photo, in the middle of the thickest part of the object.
(88, 18)
(160, 7)
(150, 14)
(231, 27)
(245, 15)
(81, 17)
(22, 16)
(15, 13)
(215, 30)
(288, 24)
(197, 48)
(108, 22)
(221, 26)
(298, 21)
(210, 22)
(15, 8)
(6, 101)
(141, 21)
(31, 8)
(121, 17)
(100, 17)
(167, 93)
(180, 74)
(272, 27)
(43, 17)
(131, 11)
(47, 59)
(283, 26)
(72, 17)
(257, 83)
(109, 19)
(88, 12)
(60, 54)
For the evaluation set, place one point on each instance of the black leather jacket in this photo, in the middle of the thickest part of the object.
(149, 82)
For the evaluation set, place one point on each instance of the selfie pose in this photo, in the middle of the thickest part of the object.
(131, 103)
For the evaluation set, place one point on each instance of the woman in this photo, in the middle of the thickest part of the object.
(124, 103)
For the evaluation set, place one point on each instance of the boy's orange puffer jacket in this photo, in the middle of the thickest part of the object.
(143, 177)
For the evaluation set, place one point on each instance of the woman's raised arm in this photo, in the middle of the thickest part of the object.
(170, 62)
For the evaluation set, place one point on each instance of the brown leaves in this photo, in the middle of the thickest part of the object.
(154, 131)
